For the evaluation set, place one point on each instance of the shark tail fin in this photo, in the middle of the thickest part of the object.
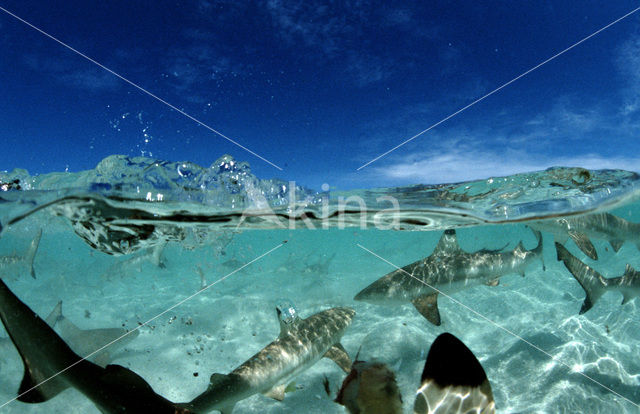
(538, 249)
(584, 243)
(34, 391)
(452, 373)
(31, 253)
(591, 281)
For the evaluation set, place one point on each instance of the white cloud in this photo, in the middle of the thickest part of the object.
(473, 164)
(568, 134)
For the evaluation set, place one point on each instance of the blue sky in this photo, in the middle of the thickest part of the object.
(321, 88)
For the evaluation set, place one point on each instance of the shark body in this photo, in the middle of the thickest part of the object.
(449, 269)
(594, 284)
(602, 226)
(302, 343)
(51, 366)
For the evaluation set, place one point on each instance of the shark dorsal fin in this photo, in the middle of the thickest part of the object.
(451, 363)
(451, 374)
(287, 317)
(447, 245)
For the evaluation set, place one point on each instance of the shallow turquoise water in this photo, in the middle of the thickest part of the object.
(224, 325)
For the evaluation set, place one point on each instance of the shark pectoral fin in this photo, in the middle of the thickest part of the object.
(496, 281)
(616, 244)
(339, 355)
(427, 305)
(43, 392)
(582, 241)
(277, 392)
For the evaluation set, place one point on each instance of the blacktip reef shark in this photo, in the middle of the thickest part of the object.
(594, 284)
(51, 367)
(28, 258)
(453, 381)
(448, 269)
(602, 226)
(301, 343)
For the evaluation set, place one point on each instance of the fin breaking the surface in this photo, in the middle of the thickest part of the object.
(427, 305)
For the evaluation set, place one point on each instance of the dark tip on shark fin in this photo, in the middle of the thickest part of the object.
(339, 355)
(447, 244)
(427, 305)
(451, 363)
(586, 305)
(561, 251)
